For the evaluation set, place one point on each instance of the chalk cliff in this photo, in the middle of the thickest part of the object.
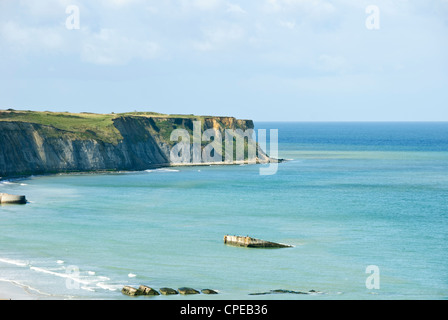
(45, 142)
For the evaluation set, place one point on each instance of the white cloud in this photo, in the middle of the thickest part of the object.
(310, 8)
(331, 63)
(291, 47)
(22, 39)
(216, 6)
(235, 8)
(205, 5)
(220, 37)
(119, 3)
(45, 8)
(110, 47)
(105, 47)
(288, 24)
(322, 34)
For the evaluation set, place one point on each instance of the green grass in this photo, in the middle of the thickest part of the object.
(83, 125)
(91, 125)
(163, 115)
(86, 126)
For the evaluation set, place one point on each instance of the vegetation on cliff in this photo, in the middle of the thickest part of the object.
(85, 126)
(34, 142)
(101, 126)
(82, 125)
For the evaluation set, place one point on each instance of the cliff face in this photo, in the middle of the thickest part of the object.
(143, 142)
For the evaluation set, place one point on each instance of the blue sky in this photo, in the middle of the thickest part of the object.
(282, 60)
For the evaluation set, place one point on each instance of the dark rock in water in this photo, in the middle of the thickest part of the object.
(147, 291)
(130, 291)
(287, 291)
(208, 291)
(282, 291)
(167, 291)
(314, 292)
(186, 290)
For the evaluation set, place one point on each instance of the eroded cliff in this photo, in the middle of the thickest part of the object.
(45, 142)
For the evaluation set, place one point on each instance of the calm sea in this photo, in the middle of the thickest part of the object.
(353, 195)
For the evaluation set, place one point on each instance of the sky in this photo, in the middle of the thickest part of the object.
(266, 60)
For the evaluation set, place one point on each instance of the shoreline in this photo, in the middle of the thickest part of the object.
(11, 290)
(150, 167)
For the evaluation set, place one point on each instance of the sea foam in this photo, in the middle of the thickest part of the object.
(162, 170)
(18, 263)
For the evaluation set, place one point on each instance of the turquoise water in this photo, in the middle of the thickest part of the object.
(352, 195)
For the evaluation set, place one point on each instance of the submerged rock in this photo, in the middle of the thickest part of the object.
(147, 291)
(168, 291)
(283, 291)
(130, 291)
(186, 290)
(208, 291)
(288, 291)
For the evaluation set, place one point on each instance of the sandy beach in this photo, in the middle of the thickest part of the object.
(12, 291)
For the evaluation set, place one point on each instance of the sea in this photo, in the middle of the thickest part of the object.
(364, 206)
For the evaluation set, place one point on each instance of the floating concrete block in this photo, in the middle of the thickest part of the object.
(249, 242)
(11, 199)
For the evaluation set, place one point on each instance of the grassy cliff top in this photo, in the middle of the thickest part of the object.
(83, 125)
(71, 120)
(86, 125)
